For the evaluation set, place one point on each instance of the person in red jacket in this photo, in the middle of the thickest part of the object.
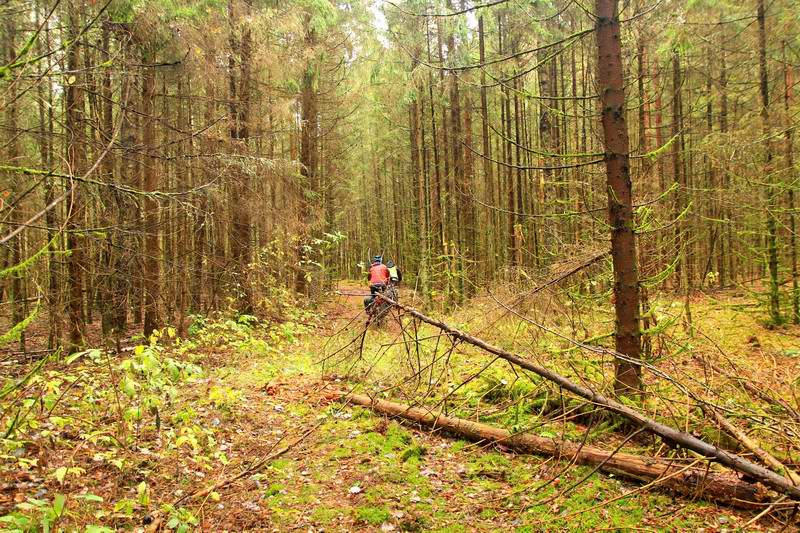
(378, 278)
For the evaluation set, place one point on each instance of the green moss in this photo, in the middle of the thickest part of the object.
(486, 514)
(327, 515)
(362, 413)
(413, 452)
(491, 465)
(451, 528)
(374, 516)
(299, 409)
(395, 475)
(281, 464)
(489, 485)
(273, 489)
(458, 445)
(258, 376)
(397, 436)
(341, 452)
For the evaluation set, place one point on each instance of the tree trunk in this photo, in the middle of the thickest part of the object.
(108, 274)
(46, 125)
(308, 154)
(437, 224)
(620, 209)
(789, 135)
(772, 223)
(76, 161)
(239, 83)
(680, 193)
(488, 178)
(17, 290)
(152, 251)
(726, 244)
(689, 481)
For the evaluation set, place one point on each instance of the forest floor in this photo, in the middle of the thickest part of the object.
(131, 443)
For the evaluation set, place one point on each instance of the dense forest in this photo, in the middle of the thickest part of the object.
(171, 167)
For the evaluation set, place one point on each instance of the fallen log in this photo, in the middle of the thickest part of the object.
(669, 434)
(725, 488)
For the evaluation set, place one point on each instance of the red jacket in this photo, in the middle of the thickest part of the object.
(379, 274)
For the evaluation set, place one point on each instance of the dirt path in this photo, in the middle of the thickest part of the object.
(346, 303)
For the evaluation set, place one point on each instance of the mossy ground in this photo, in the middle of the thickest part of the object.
(358, 471)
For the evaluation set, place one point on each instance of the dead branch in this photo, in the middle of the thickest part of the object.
(752, 389)
(763, 455)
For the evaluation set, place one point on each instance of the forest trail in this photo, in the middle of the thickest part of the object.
(359, 471)
(346, 301)
(594, 204)
(345, 468)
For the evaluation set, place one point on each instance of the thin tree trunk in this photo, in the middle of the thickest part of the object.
(108, 274)
(772, 223)
(488, 178)
(436, 205)
(17, 289)
(791, 181)
(152, 251)
(76, 160)
(46, 124)
(677, 179)
(620, 209)
(308, 152)
(727, 241)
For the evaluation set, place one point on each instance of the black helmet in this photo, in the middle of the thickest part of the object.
(377, 259)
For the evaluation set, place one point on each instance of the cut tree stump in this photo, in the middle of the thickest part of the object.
(694, 482)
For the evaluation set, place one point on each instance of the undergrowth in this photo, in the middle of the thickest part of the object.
(100, 442)
(70, 422)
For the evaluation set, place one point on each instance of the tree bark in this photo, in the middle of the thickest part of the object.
(437, 224)
(693, 482)
(46, 124)
(152, 251)
(17, 291)
(772, 223)
(763, 456)
(726, 245)
(76, 160)
(620, 209)
(108, 214)
(308, 154)
(789, 136)
(239, 83)
(488, 178)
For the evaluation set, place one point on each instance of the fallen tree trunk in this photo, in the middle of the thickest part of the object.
(669, 434)
(693, 482)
